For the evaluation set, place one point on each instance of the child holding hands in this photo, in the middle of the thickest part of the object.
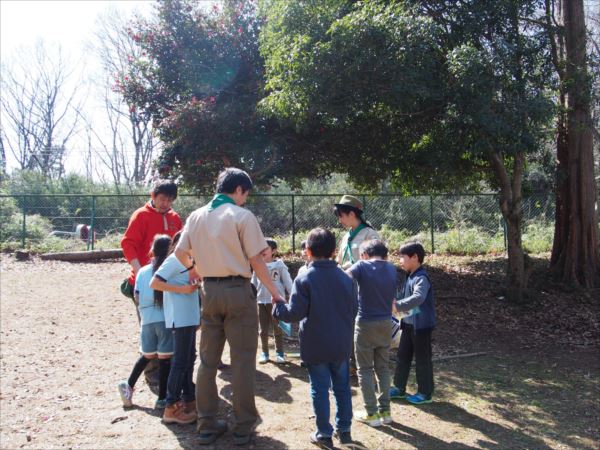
(417, 326)
(376, 278)
(283, 282)
(324, 300)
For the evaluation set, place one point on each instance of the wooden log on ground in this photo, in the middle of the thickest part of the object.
(93, 255)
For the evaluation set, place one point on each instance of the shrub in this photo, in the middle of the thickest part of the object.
(394, 239)
(538, 237)
(469, 241)
(8, 208)
(37, 228)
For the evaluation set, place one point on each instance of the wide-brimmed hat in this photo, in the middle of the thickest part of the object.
(350, 200)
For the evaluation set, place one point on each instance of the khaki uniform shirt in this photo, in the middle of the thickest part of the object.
(221, 241)
(366, 234)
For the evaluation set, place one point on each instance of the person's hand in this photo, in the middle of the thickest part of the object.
(189, 288)
(194, 276)
(277, 299)
(135, 266)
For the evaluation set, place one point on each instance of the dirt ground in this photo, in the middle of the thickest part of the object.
(67, 336)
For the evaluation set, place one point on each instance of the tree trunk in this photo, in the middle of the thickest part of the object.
(512, 212)
(575, 250)
(517, 279)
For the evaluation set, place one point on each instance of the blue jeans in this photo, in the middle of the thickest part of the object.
(182, 366)
(322, 377)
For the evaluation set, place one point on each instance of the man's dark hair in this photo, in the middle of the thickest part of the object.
(413, 248)
(321, 243)
(271, 243)
(166, 187)
(230, 178)
(374, 247)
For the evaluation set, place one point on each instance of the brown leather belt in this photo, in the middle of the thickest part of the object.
(229, 278)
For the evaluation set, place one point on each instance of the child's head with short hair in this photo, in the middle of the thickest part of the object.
(269, 251)
(412, 256)
(303, 250)
(320, 243)
(373, 248)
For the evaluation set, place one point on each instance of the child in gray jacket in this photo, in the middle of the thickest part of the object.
(283, 282)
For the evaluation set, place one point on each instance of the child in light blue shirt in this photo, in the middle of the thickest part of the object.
(182, 316)
(155, 339)
(182, 308)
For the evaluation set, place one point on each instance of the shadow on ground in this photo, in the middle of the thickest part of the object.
(535, 400)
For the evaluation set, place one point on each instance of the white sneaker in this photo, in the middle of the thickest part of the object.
(125, 392)
(280, 358)
(373, 420)
(263, 358)
(386, 417)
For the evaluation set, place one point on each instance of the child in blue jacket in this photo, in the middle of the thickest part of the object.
(325, 302)
(417, 325)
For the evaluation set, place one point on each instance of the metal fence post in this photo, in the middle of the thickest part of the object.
(504, 232)
(431, 223)
(92, 224)
(24, 230)
(293, 224)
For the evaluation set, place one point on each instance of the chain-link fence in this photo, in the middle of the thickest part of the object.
(443, 223)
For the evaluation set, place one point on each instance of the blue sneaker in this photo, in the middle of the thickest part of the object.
(396, 394)
(418, 399)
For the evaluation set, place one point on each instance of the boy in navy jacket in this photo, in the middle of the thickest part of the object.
(325, 302)
(419, 305)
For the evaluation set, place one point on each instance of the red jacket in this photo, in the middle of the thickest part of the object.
(145, 223)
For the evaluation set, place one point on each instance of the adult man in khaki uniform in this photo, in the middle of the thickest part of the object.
(225, 240)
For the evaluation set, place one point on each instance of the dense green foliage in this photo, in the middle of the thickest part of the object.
(200, 78)
(393, 91)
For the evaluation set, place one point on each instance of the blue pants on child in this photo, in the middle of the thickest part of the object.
(182, 366)
(322, 377)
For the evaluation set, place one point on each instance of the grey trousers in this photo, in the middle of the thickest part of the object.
(228, 313)
(372, 347)
(267, 322)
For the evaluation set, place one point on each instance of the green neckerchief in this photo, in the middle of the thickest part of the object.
(218, 200)
(351, 235)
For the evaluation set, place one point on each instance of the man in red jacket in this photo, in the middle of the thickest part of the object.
(155, 217)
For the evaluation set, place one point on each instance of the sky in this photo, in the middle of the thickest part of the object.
(68, 23)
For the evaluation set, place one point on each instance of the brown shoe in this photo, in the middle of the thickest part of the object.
(175, 413)
(190, 407)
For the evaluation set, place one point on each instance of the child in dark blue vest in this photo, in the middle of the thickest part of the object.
(418, 305)
(324, 300)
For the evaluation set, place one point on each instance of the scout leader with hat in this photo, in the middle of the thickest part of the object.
(349, 212)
